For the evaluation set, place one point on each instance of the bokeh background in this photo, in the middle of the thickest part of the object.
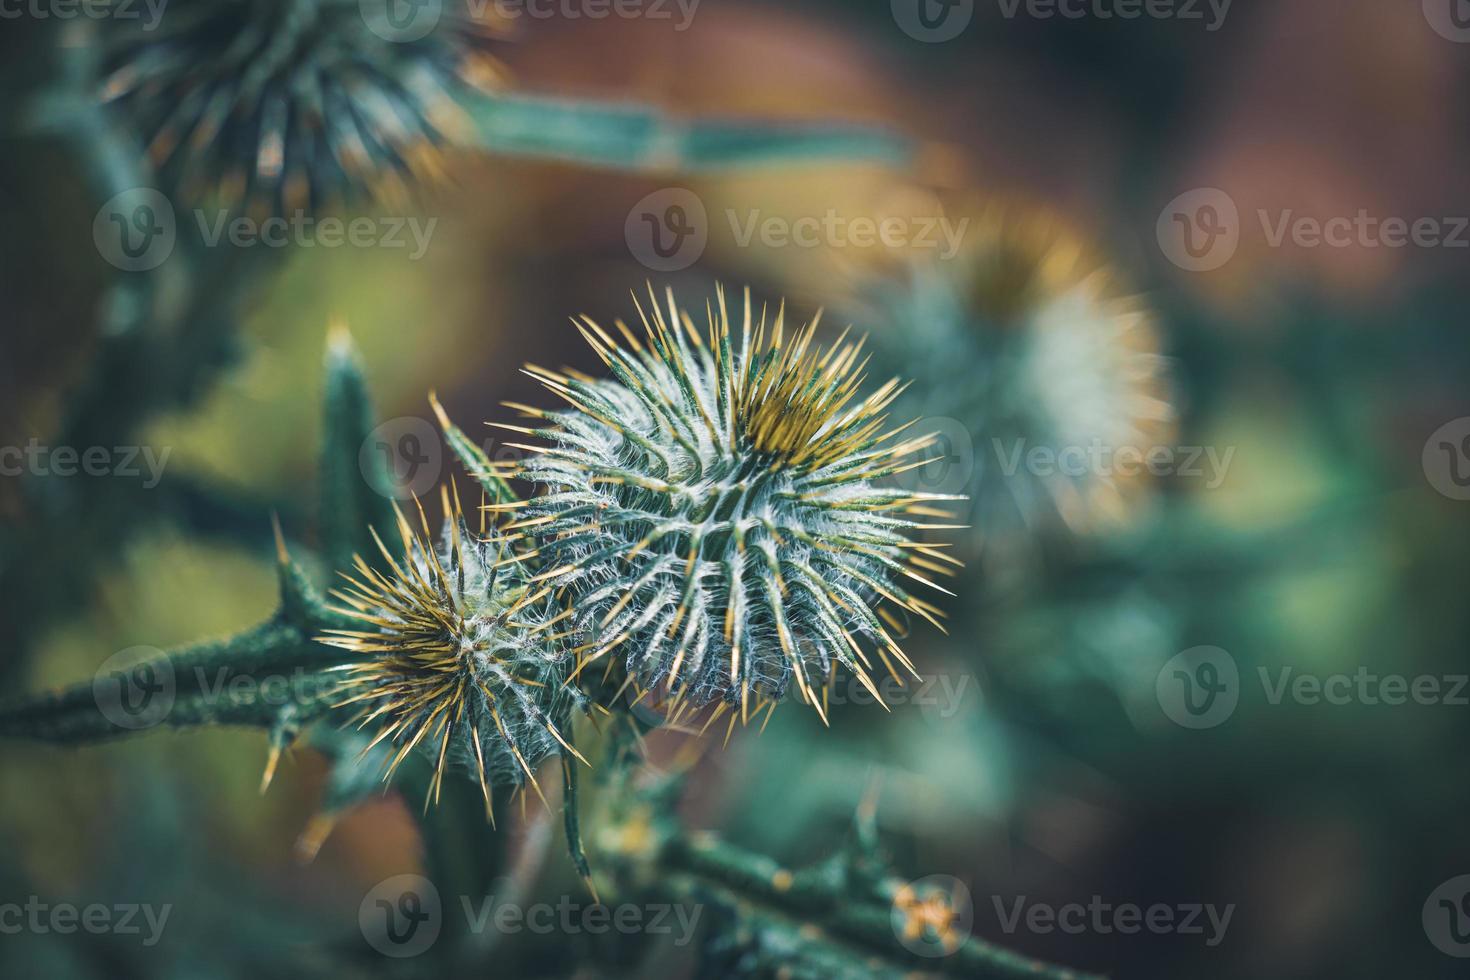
(1329, 545)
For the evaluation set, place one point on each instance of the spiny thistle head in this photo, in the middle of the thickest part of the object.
(1028, 342)
(458, 658)
(296, 103)
(716, 512)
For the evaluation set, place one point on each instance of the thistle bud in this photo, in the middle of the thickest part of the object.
(718, 514)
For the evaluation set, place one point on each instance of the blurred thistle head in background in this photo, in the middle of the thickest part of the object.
(462, 662)
(717, 510)
(1027, 340)
(286, 104)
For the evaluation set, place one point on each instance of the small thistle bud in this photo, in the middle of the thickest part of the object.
(716, 511)
(294, 103)
(459, 661)
(1027, 341)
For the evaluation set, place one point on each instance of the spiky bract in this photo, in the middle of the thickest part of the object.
(715, 513)
(296, 103)
(460, 658)
(1028, 342)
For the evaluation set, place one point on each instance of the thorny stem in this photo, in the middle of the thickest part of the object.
(824, 904)
(199, 680)
(834, 917)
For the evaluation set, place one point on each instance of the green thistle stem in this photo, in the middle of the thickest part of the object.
(832, 918)
(203, 677)
(827, 896)
(642, 138)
